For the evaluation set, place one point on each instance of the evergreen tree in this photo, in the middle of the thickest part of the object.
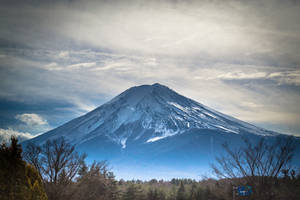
(155, 194)
(193, 192)
(133, 192)
(181, 192)
(96, 182)
(173, 194)
(18, 180)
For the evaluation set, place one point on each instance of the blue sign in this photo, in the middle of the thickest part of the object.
(244, 190)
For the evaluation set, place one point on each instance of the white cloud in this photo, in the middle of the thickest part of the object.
(53, 66)
(81, 65)
(291, 77)
(248, 72)
(31, 119)
(63, 54)
(81, 105)
(6, 134)
(242, 75)
(110, 66)
(32, 123)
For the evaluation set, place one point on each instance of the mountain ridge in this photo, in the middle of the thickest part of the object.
(154, 103)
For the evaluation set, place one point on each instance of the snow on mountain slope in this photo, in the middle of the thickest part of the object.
(147, 114)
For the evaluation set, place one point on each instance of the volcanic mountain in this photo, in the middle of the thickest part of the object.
(150, 131)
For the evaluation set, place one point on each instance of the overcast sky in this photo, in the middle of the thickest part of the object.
(61, 59)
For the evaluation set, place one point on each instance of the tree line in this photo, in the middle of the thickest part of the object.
(56, 171)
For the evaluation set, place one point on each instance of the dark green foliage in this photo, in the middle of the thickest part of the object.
(133, 192)
(96, 182)
(181, 192)
(156, 194)
(196, 193)
(18, 180)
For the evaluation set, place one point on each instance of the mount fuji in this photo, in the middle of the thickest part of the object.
(150, 131)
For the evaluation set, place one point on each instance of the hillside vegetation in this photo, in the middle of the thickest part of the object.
(55, 171)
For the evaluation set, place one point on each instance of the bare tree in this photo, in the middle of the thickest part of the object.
(32, 156)
(54, 158)
(58, 163)
(257, 164)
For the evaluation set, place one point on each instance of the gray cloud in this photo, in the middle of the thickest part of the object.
(254, 31)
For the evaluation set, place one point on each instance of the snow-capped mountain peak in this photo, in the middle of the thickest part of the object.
(149, 113)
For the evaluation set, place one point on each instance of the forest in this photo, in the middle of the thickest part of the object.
(56, 171)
